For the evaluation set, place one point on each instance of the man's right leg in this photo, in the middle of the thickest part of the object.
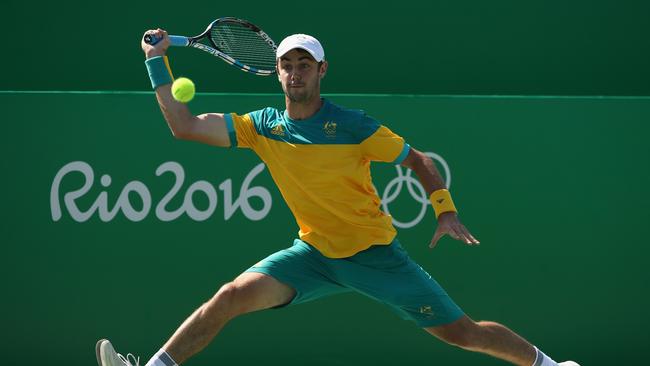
(290, 276)
(247, 293)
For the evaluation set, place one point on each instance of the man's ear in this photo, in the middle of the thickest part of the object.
(323, 69)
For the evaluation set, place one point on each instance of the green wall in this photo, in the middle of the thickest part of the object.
(555, 189)
(579, 47)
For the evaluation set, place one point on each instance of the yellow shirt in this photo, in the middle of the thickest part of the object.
(321, 166)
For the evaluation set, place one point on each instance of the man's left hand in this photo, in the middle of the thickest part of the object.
(448, 223)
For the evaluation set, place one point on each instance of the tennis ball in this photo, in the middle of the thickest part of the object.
(183, 90)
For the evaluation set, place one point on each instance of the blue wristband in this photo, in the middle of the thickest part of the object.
(159, 71)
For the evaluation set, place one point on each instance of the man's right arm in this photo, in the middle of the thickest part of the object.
(209, 128)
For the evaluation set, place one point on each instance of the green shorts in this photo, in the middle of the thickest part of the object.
(385, 273)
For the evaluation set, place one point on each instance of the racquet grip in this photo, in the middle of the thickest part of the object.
(174, 40)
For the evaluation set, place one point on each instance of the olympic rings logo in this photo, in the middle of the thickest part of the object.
(415, 189)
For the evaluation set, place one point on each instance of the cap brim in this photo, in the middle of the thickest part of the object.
(311, 53)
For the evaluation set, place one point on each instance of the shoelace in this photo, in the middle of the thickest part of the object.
(127, 360)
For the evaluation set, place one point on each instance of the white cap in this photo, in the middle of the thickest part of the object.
(302, 41)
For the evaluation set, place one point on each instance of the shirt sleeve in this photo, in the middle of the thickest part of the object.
(384, 145)
(241, 130)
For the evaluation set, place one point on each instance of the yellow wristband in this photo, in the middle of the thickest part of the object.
(442, 202)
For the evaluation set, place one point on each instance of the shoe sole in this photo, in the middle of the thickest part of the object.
(98, 348)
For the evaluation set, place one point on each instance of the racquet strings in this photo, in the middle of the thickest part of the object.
(243, 44)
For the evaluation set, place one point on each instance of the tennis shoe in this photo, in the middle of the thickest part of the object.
(106, 355)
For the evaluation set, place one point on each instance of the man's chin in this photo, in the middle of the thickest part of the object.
(298, 97)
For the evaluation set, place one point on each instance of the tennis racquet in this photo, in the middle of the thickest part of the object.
(236, 41)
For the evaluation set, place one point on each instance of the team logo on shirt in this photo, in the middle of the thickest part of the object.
(330, 129)
(277, 130)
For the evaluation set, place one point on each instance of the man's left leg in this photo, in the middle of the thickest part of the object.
(495, 340)
(388, 274)
(490, 338)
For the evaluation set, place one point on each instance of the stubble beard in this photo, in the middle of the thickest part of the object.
(302, 95)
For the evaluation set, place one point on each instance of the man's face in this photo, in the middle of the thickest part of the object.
(300, 75)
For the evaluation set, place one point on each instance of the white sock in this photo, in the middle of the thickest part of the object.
(161, 358)
(541, 359)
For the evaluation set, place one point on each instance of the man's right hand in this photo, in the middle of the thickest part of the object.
(159, 48)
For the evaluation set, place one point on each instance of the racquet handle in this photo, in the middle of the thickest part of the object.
(175, 40)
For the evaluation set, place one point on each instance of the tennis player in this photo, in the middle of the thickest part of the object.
(319, 155)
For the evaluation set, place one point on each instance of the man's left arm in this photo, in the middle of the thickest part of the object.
(448, 222)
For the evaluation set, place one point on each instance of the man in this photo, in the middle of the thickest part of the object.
(319, 155)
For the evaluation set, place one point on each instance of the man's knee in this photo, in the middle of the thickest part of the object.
(463, 333)
(224, 300)
(462, 339)
(250, 292)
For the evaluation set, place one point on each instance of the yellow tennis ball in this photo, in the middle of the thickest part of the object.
(183, 90)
